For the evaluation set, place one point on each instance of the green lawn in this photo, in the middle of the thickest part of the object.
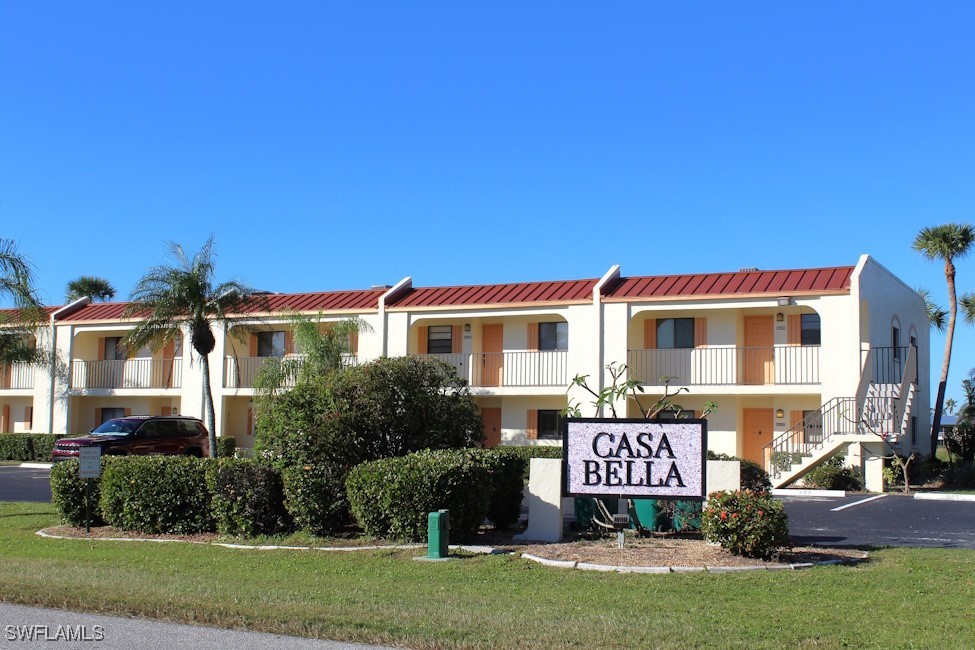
(903, 598)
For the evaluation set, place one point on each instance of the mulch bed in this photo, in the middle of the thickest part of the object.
(659, 550)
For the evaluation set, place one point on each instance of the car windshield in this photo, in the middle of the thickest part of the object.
(118, 427)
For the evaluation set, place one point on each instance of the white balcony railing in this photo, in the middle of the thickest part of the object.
(241, 372)
(16, 375)
(127, 373)
(509, 369)
(727, 366)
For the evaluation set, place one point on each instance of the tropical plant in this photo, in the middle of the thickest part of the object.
(946, 242)
(182, 295)
(19, 323)
(936, 313)
(89, 286)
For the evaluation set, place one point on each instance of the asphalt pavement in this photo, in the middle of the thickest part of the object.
(25, 626)
(25, 484)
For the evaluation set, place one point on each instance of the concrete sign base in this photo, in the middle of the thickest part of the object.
(544, 501)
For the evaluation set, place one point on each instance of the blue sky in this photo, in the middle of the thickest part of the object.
(332, 146)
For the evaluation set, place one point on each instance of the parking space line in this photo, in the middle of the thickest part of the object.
(856, 503)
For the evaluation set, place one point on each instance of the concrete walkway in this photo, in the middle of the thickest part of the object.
(22, 626)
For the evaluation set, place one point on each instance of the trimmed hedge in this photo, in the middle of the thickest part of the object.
(226, 446)
(527, 453)
(68, 493)
(506, 469)
(753, 524)
(832, 475)
(157, 494)
(27, 446)
(315, 496)
(248, 498)
(393, 497)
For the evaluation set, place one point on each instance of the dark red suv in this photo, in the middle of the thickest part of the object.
(140, 435)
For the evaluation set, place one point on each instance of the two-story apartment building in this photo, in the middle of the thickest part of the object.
(801, 363)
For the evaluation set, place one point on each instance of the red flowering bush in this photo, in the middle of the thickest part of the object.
(747, 523)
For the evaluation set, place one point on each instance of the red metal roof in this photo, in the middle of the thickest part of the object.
(825, 280)
(276, 303)
(497, 294)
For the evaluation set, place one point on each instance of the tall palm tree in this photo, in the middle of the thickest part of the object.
(946, 242)
(17, 284)
(182, 295)
(89, 286)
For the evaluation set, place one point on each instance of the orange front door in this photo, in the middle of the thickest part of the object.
(492, 359)
(757, 428)
(492, 426)
(759, 367)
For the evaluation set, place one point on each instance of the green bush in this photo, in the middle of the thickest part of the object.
(388, 407)
(506, 469)
(315, 496)
(393, 497)
(248, 498)
(226, 446)
(753, 477)
(833, 475)
(15, 446)
(536, 451)
(960, 475)
(747, 523)
(157, 494)
(68, 493)
(960, 441)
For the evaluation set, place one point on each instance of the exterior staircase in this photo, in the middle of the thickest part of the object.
(881, 411)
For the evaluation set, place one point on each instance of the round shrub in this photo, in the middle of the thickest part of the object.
(748, 523)
(753, 476)
(248, 498)
(68, 493)
(832, 475)
(393, 497)
(157, 494)
(315, 496)
(507, 469)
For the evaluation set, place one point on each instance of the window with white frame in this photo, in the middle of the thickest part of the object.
(553, 336)
(440, 339)
(675, 333)
(811, 329)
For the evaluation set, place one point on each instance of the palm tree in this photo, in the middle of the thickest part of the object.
(936, 313)
(947, 242)
(181, 296)
(89, 286)
(950, 405)
(17, 283)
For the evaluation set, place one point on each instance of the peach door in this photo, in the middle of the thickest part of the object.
(757, 429)
(492, 426)
(759, 366)
(492, 344)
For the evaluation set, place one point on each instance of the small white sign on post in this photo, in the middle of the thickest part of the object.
(90, 465)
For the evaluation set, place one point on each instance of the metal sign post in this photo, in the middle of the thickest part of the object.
(89, 468)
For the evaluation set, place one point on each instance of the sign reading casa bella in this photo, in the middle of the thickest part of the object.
(662, 459)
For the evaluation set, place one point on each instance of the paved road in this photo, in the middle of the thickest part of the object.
(50, 627)
(25, 484)
(893, 520)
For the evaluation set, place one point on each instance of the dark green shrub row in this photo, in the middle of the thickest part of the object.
(68, 493)
(157, 494)
(960, 475)
(27, 446)
(833, 475)
(315, 497)
(753, 476)
(393, 497)
(747, 523)
(527, 453)
(248, 498)
(226, 446)
(506, 470)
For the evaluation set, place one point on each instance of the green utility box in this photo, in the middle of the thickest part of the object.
(438, 535)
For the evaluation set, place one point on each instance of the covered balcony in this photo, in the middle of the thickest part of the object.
(146, 373)
(498, 353)
(242, 372)
(726, 348)
(14, 376)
